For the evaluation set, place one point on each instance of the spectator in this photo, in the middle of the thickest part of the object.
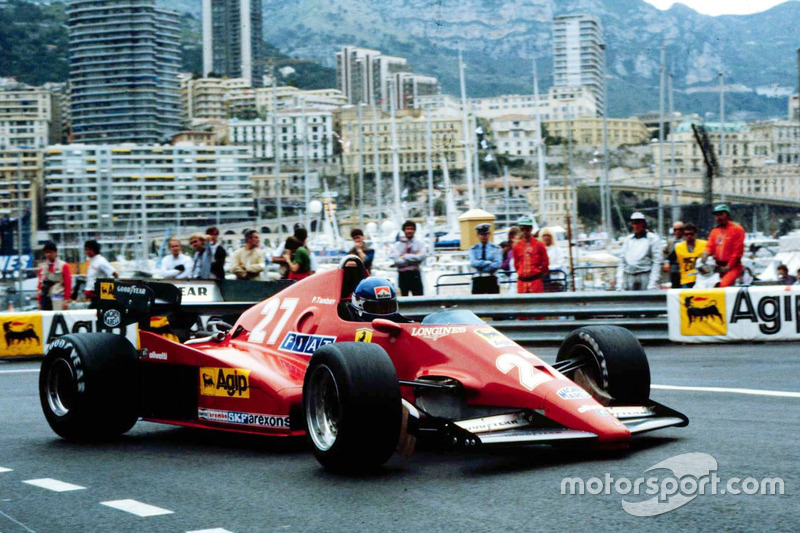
(783, 276)
(298, 258)
(797, 278)
(726, 246)
(248, 261)
(555, 256)
(55, 281)
(671, 265)
(639, 265)
(202, 258)
(97, 265)
(530, 260)
(218, 253)
(176, 265)
(408, 253)
(361, 248)
(485, 257)
(301, 233)
(513, 238)
(686, 254)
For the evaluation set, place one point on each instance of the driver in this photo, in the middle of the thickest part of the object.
(374, 298)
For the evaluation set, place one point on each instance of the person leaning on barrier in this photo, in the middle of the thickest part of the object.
(687, 252)
(485, 257)
(218, 253)
(248, 261)
(726, 246)
(55, 281)
(98, 266)
(202, 258)
(639, 265)
(783, 275)
(361, 248)
(408, 253)
(176, 265)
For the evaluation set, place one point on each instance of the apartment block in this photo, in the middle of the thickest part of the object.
(303, 134)
(232, 39)
(112, 192)
(124, 59)
(588, 131)
(578, 50)
(28, 118)
(412, 134)
(205, 98)
(21, 189)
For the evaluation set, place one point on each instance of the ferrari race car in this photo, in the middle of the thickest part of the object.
(301, 362)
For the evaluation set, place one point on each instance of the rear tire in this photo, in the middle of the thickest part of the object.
(89, 386)
(615, 365)
(352, 406)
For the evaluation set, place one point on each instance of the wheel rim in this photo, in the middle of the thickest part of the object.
(323, 410)
(61, 387)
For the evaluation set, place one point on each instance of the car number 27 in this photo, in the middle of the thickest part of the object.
(270, 309)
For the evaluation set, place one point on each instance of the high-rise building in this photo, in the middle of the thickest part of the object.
(232, 39)
(123, 71)
(578, 48)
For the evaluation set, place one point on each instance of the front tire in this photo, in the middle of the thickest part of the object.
(89, 386)
(352, 406)
(613, 365)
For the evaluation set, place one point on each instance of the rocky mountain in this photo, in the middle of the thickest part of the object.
(499, 38)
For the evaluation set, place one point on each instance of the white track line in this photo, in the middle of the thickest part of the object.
(20, 524)
(53, 484)
(215, 530)
(754, 392)
(5, 469)
(29, 371)
(137, 508)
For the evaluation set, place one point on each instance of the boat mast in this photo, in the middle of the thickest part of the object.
(467, 154)
(539, 148)
(398, 217)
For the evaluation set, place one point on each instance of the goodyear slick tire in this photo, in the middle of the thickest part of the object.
(616, 361)
(352, 407)
(89, 386)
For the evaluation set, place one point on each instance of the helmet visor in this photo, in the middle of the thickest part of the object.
(380, 307)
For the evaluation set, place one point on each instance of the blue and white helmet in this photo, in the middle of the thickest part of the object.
(374, 298)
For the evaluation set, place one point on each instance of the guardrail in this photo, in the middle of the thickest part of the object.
(532, 318)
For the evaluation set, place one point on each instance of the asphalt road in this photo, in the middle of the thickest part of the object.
(203, 481)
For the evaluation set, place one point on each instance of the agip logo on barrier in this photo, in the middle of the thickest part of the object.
(21, 335)
(703, 312)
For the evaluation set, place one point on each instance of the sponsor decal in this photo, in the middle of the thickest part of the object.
(703, 312)
(589, 407)
(304, 344)
(436, 332)
(225, 382)
(21, 335)
(494, 423)
(161, 356)
(112, 318)
(572, 393)
(323, 301)
(383, 292)
(244, 419)
(130, 289)
(106, 291)
(363, 335)
(494, 337)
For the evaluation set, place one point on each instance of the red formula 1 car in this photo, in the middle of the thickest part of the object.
(301, 362)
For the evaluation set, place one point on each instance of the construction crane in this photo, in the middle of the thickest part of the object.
(710, 161)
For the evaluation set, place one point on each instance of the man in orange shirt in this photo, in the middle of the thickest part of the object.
(726, 246)
(530, 259)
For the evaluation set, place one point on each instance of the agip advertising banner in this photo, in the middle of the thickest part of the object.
(27, 334)
(758, 313)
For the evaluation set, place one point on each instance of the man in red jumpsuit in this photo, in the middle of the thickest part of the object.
(726, 246)
(530, 260)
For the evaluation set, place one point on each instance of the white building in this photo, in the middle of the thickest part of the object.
(204, 98)
(112, 192)
(302, 133)
(27, 118)
(578, 48)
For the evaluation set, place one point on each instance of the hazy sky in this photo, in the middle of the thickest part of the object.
(721, 7)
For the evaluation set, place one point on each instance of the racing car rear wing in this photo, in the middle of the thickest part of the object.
(123, 302)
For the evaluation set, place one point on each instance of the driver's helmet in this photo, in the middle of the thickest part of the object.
(374, 298)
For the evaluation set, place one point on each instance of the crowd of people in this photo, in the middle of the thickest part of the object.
(530, 255)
